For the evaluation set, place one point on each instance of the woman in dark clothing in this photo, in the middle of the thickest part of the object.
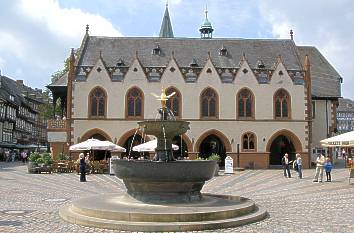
(82, 168)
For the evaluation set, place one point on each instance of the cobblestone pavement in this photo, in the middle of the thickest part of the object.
(30, 202)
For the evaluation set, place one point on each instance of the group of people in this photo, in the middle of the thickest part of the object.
(322, 163)
(14, 155)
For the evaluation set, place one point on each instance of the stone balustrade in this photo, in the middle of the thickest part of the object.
(56, 124)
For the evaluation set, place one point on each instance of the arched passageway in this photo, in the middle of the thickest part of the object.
(282, 142)
(281, 145)
(212, 144)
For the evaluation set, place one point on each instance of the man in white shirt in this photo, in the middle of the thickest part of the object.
(319, 167)
(285, 162)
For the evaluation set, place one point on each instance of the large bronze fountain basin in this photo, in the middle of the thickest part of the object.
(167, 128)
(176, 181)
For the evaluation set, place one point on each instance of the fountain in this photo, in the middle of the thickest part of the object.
(163, 194)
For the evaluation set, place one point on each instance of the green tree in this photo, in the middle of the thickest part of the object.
(65, 69)
(57, 74)
(46, 109)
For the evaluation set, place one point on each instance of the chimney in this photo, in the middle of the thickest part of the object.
(291, 34)
(19, 82)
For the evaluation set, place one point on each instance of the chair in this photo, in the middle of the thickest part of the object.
(103, 166)
(71, 166)
(55, 166)
(95, 166)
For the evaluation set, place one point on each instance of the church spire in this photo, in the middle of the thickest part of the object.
(166, 26)
(206, 30)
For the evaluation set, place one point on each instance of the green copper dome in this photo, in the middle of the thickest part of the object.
(206, 30)
(206, 24)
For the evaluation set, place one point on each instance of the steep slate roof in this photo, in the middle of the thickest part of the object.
(10, 87)
(186, 49)
(326, 82)
(325, 79)
(60, 82)
(166, 26)
(345, 105)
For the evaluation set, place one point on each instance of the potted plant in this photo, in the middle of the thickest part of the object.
(47, 158)
(217, 158)
(63, 156)
(32, 162)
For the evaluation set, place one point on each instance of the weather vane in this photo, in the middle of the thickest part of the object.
(163, 97)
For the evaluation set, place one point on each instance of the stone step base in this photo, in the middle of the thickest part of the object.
(122, 213)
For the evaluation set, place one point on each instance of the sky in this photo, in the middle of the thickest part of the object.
(36, 35)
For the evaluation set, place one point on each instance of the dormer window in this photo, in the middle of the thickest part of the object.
(260, 64)
(12, 98)
(193, 63)
(223, 51)
(156, 50)
(120, 62)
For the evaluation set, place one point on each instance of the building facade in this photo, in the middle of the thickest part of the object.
(20, 125)
(247, 98)
(345, 116)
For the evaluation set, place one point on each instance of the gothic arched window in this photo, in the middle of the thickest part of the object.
(209, 104)
(248, 141)
(245, 102)
(282, 104)
(97, 102)
(174, 103)
(134, 103)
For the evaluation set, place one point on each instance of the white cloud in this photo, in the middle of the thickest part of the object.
(2, 63)
(36, 37)
(66, 22)
(325, 25)
(10, 43)
(171, 2)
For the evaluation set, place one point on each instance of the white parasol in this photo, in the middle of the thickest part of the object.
(342, 140)
(94, 144)
(150, 146)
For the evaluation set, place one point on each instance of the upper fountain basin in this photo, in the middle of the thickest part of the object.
(171, 128)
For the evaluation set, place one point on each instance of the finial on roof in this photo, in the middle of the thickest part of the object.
(243, 56)
(206, 30)
(87, 28)
(136, 53)
(173, 54)
(166, 26)
(307, 62)
(100, 53)
(209, 54)
(291, 34)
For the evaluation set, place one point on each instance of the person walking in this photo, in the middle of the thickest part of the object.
(319, 168)
(82, 167)
(285, 162)
(328, 168)
(298, 165)
(344, 157)
(24, 156)
(7, 156)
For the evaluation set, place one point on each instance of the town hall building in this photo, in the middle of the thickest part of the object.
(251, 99)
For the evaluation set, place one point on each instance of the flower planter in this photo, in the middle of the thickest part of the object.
(32, 167)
